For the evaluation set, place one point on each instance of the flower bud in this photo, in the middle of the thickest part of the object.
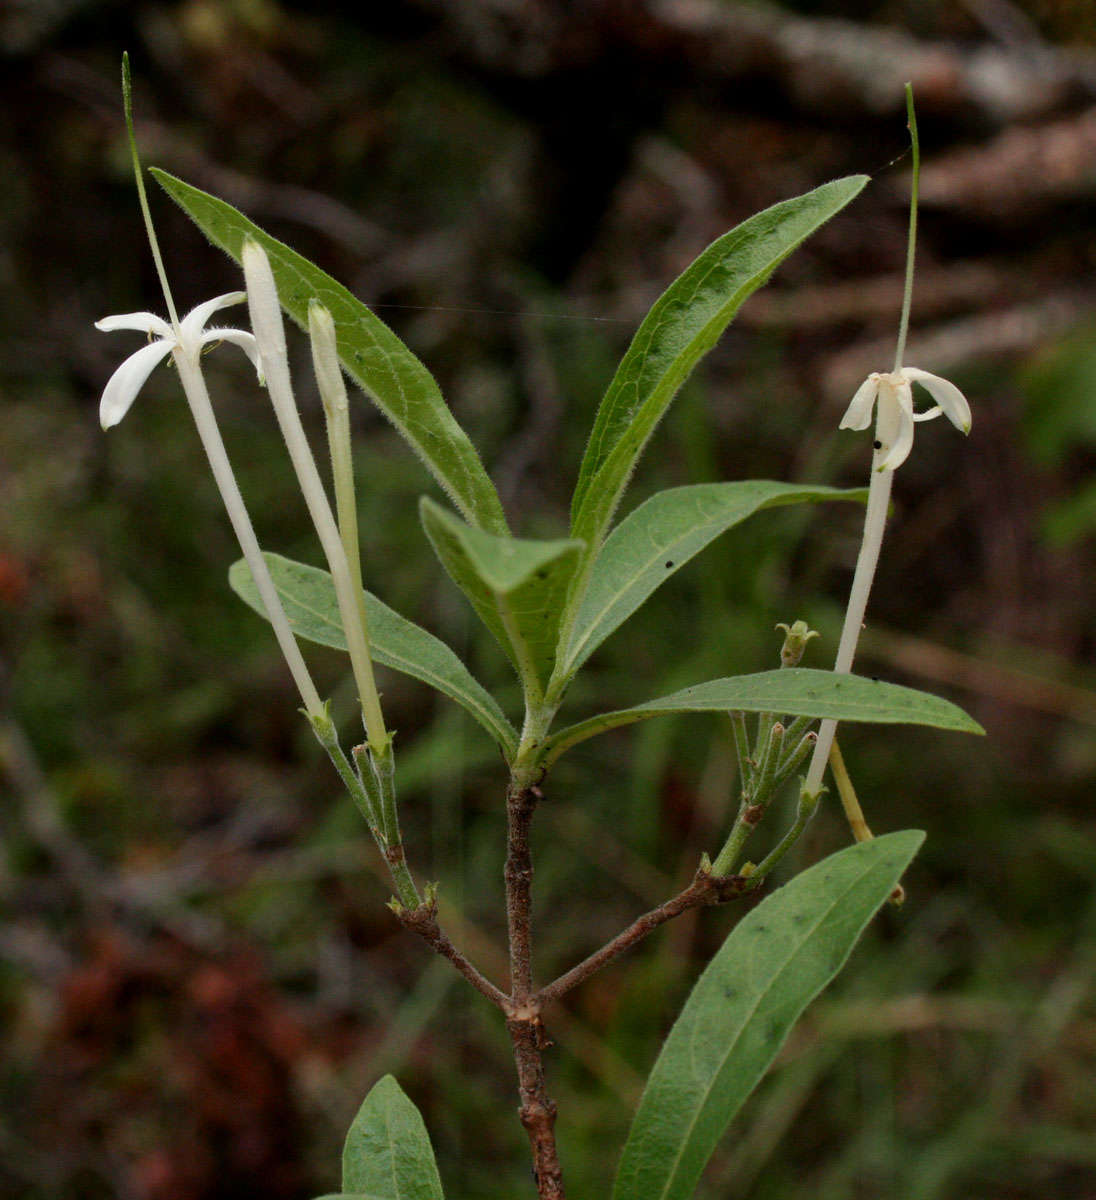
(796, 637)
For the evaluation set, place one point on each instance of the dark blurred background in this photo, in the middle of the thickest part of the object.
(198, 977)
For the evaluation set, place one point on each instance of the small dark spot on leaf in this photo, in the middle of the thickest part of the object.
(542, 573)
(730, 993)
(669, 563)
(762, 928)
(875, 679)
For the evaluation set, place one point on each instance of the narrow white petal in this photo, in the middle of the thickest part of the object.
(143, 322)
(895, 425)
(194, 322)
(946, 394)
(238, 337)
(127, 381)
(858, 414)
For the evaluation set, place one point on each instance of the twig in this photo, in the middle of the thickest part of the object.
(424, 921)
(537, 1112)
(520, 805)
(705, 889)
(526, 1029)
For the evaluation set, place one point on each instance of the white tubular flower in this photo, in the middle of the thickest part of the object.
(127, 381)
(895, 416)
(266, 320)
(186, 341)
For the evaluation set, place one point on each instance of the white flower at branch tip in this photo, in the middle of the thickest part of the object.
(127, 381)
(895, 416)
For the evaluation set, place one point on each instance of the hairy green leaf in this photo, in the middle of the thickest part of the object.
(396, 381)
(775, 961)
(387, 1152)
(682, 326)
(796, 692)
(518, 587)
(659, 538)
(308, 596)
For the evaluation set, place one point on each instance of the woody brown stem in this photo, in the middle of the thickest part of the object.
(523, 1005)
(537, 1111)
(521, 803)
(424, 921)
(705, 889)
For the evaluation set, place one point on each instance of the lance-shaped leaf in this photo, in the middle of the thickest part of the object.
(396, 381)
(308, 596)
(517, 586)
(387, 1153)
(684, 324)
(659, 538)
(775, 961)
(794, 691)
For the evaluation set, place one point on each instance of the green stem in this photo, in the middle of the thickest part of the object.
(794, 756)
(127, 104)
(382, 765)
(854, 814)
(761, 790)
(742, 748)
(726, 859)
(761, 743)
(324, 729)
(911, 245)
(766, 772)
(808, 802)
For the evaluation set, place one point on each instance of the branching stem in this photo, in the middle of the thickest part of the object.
(706, 888)
(424, 921)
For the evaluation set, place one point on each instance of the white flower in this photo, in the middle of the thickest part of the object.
(895, 415)
(127, 381)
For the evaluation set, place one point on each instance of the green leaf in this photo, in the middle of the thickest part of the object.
(518, 587)
(396, 381)
(308, 596)
(659, 538)
(776, 960)
(684, 324)
(387, 1152)
(794, 691)
(349, 1196)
